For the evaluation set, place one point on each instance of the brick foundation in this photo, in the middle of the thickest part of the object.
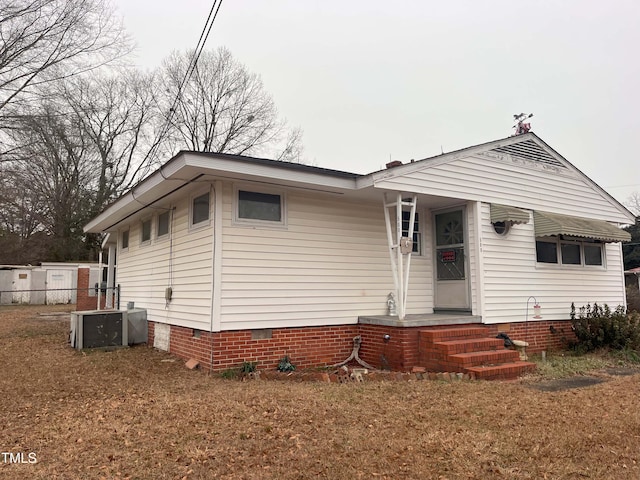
(307, 347)
(541, 335)
(321, 346)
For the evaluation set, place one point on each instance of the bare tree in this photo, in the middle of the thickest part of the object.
(75, 152)
(44, 40)
(223, 108)
(119, 117)
(49, 178)
(633, 203)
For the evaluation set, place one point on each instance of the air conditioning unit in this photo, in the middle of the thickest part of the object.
(99, 328)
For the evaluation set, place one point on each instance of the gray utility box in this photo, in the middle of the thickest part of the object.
(99, 328)
(138, 329)
(108, 328)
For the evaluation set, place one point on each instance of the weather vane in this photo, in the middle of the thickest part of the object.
(520, 126)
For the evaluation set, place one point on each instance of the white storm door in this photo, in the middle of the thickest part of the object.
(452, 279)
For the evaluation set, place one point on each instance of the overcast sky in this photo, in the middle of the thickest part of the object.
(369, 81)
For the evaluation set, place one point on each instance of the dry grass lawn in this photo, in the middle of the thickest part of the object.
(129, 413)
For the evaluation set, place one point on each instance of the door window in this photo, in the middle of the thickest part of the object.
(450, 246)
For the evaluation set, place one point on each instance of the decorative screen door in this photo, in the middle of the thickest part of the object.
(452, 288)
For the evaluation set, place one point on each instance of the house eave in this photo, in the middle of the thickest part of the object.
(188, 167)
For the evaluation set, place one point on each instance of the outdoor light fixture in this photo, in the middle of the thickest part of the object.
(386, 338)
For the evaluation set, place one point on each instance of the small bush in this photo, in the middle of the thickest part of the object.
(248, 367)
(229, 373)
(285, 365)
(240, 372)
(600, 327)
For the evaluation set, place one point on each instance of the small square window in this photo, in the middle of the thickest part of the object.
(259, 206)
(570, 254)
(546, 252)
(163, 224)
(200, 209)
(145, 236)
(124, 239)
(593, 255)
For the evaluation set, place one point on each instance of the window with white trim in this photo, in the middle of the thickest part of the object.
(162, 226)
(554, 250)
(145, 231)
(259, 207)
(200, 210)
(124, 239)
(417, 234)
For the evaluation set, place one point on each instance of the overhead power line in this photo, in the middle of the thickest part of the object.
(204, 35)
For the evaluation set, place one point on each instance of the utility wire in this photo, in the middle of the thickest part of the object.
(204, 35)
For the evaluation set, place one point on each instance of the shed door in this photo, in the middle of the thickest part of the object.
(452, 287)
(21, 286)
(59, 285)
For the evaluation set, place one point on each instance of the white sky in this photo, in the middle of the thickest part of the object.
(372, 80)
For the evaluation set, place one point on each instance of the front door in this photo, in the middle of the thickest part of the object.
(452, 287)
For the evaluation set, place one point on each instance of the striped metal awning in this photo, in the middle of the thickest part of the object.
(504, 213)
(555, 224)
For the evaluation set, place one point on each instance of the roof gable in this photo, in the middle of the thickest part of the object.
(525, 152)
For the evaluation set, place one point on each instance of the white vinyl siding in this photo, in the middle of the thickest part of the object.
(327, 267)
(491, 180)
(512, 275)
(143, 273)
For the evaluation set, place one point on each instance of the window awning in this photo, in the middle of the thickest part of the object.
(555, 224)
(504, 213)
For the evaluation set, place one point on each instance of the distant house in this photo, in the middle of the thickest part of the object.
(239, 258)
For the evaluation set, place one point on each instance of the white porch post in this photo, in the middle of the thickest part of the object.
(111, 267)
(400, 247)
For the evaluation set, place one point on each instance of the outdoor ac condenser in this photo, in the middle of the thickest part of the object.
(99, 328)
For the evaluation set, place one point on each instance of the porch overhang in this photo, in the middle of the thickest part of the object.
(548, 224)
(507, 214)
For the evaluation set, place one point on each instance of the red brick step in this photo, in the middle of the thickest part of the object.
(505, 371)
(469, 349)
(469, 345)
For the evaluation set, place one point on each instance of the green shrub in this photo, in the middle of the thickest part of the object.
(230, 373)
(600, 327)
(248, 367)
(285, 365)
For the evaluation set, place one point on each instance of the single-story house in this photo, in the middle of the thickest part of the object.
(238, 258)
